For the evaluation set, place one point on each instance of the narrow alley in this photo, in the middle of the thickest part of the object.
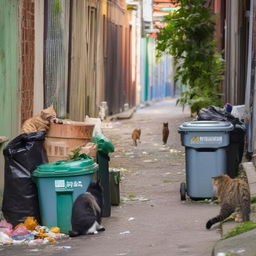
(70, 71)
(151, 219)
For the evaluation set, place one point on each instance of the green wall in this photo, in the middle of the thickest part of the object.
(8, 75)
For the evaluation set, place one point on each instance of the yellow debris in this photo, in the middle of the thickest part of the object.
(55, 230)
(30, 223)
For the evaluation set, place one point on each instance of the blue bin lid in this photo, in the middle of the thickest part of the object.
(206, 126)
(82, 166)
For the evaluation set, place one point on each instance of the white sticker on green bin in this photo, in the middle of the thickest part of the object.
(65, 184)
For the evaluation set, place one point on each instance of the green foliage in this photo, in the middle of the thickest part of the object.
(189, 37)
(244, 227)
(57, 6)
(253, 199)
(75, 154)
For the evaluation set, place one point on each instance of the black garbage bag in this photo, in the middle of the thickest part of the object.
(217, 114)
(22, 156)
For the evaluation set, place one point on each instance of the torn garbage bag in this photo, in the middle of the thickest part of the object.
(104, 144)
(22, 155)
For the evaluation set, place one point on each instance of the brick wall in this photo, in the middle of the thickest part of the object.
(27, 58)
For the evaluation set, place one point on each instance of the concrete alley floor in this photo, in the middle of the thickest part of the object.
(151, 220)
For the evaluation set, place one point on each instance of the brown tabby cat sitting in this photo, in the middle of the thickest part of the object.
(165, 133)
(234, 195)
(136, 135)
(41, 121)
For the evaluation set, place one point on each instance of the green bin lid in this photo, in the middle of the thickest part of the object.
(207, 126)
(82, 166)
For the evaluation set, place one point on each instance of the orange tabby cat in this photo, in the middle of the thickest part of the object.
(136, 136)
(234, 196)
(41, 121)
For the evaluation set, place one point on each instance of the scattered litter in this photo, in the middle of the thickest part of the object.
(35, 242)
(123, 170)
(6, 227)
(20, 230)
(23, 237)
(66, 247)
(132, 218)
(221, 254)
(167, 173)
(30, 223)
(55, 230)
(148, 161)
(179, 173)
(125, 232)
(240, 251)
(140, 198)
(5, 239)
(116, 156)
(29, 233)
(122, 254)
(117, 123)
(163, 149)
(175, 151)
(145, 153)
(129, 153)
(106, 125)
(18, 242)
(34, 250)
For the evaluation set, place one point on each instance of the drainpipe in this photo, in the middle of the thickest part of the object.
(248, 116)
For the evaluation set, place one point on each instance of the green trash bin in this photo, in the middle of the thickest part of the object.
(114, 187)
(59, 184)
(105, 147)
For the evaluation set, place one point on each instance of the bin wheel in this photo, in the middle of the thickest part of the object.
(183, 191)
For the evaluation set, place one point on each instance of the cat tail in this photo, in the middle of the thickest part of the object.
(73, 233)
(222, 216)
(245, 205)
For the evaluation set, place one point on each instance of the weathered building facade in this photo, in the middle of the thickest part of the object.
(235, 34)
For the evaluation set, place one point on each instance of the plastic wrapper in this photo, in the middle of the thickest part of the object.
(5, 239)
(22, 156)
(55, 230)
(20, 230)
(5, 227)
